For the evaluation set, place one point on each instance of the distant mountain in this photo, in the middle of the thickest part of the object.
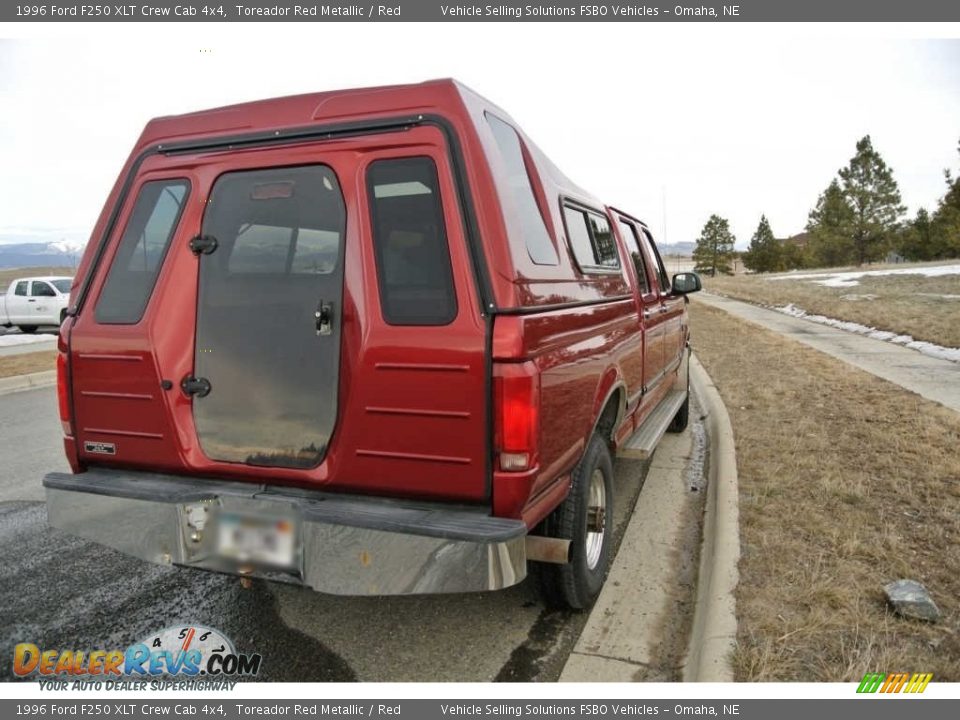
(680, 248)
(61, 253)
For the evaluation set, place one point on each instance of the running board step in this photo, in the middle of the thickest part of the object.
(643, 442)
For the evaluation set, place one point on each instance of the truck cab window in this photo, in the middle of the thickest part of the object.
(629, 233)
(591, 240)
(21, 289)
(42, 289)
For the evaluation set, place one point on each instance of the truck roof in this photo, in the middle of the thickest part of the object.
(299, 110)
(446, 96)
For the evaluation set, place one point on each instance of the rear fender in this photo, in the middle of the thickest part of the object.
(611, 384)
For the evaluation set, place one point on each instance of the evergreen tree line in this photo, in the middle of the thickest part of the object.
(857, 219)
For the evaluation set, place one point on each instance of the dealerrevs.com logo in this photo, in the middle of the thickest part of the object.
(180, 657)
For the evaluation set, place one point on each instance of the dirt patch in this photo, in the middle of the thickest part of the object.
(847, 482)
(27, 363)
(925, 307)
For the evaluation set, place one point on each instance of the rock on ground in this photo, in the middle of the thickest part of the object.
(911, 599)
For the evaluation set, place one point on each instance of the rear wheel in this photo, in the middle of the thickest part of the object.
(584, 518)
(28, 329)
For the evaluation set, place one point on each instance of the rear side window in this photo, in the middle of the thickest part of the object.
(632, 242)
(591, 240)
(532, 226)
(140, 253)
(21, 288)
(410, 242)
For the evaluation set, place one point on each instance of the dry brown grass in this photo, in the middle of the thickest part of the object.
(910, 304)
(27, 363)
(7, 275)
(847, 482)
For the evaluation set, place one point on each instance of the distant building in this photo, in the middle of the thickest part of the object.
(801, 240)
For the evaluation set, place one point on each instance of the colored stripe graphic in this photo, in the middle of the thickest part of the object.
(918, 683)
(894, 682)
(871, 682)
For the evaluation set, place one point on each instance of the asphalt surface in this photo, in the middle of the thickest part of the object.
(58, 591)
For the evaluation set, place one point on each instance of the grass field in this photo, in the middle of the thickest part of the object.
(7, 275)
(847, 482)
(27, 363)
(928, 308)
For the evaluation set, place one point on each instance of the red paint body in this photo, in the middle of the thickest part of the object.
(414, 408)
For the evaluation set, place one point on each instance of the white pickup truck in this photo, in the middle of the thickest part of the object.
(32, 302)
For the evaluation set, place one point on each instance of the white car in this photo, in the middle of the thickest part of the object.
(32, 302)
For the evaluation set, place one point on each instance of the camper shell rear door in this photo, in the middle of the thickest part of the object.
(312, 320)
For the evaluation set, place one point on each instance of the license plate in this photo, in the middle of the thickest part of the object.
(259, 540)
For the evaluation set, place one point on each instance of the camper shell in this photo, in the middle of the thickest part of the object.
(369, 341)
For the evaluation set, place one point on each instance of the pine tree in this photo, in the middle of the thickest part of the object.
(714, 250)
(945, 225)
(765, 253)
(830, 225)
(917, 239)
(874, 198)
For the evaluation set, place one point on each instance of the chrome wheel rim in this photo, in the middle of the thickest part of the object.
(596, 519)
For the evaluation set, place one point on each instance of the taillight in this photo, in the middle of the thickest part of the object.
(516, 400)
(63, 397)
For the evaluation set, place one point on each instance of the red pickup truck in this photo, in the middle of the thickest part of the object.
(368, 341)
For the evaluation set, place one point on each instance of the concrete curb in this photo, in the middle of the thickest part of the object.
(16, 383)
(714, 633)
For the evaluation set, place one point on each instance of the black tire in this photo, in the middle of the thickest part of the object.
(577, 584)
(28, 329)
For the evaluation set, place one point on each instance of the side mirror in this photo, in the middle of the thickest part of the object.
(686, 283)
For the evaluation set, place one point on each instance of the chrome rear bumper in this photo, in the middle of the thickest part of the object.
(345, 545)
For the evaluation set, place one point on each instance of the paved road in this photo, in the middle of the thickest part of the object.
(59, 591)
(934, 379)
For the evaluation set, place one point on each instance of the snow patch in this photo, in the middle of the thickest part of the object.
(852, 278)
(67, 247)
(19, 339)
(927, 348)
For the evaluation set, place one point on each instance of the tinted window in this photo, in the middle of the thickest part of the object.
(42, 289)
(658, 268)
(532, 227)
(410, 242)
(260, 248)
(276, 271)
(63, 285)
(579, 236)
(591, 240)
(633, 247)
(604, 246)
(21, 288)
(140, 253)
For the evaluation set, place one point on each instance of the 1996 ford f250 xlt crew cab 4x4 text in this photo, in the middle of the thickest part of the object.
(367, 341)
